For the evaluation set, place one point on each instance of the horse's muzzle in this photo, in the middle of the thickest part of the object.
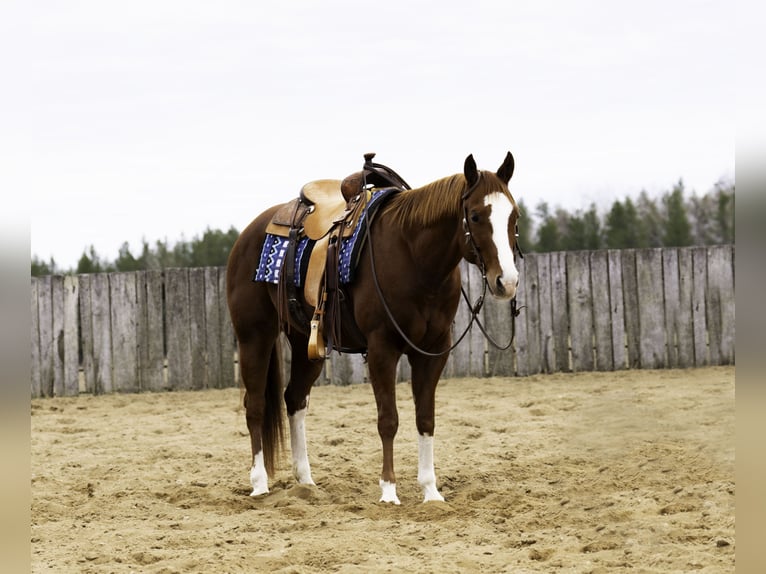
(502, 288)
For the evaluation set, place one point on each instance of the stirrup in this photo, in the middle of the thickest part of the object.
(316, 350)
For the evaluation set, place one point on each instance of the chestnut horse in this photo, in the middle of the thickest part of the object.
(412, 278)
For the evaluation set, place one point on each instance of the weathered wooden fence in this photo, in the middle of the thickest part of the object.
(581, 311)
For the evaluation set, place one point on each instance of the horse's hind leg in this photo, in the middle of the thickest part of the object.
(303, 373)
(259, 368)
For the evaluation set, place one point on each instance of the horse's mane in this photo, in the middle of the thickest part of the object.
(425, 205)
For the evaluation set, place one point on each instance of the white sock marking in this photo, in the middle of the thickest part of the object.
(426, 474)
(388, 490)
(301, 466)
(258, 477)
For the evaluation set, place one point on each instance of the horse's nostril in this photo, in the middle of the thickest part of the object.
(499, 285)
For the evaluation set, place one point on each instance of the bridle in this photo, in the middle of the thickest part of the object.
(515, 311)
(475, 308)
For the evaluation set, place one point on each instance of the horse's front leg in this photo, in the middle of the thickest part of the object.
(382, 368)
(425, 376)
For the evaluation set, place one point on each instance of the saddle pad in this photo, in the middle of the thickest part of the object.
(351, 247)
(275, 248)
(273, 256)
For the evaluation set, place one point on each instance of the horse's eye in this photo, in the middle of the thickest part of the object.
(474, 217)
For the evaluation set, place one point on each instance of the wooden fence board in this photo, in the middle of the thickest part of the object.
(463, 361)
(653, 340)
(151, 329)
(34, 365)
(560, 311)
(229, 375)
(102, 333)
(685, 318)
(47, 338)
(602, 324)
(720, 302)
(497, 319)
(475, 339)
(71, 351)
(547, 344)
(197, 330)
(124, 319)
(580, 310)
(672, 299)
(699, 306)
(727, 280)
(86, 332)
(57, 334)
(213, 330)
(178, 326)
(631, 306)
(531, 281)
(403, 371)
(617, 310)
(521, 334)
(346, 369)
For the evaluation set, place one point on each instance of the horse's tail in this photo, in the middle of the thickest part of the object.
(272, 431)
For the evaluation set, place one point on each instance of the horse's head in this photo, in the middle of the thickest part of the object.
(490, 214)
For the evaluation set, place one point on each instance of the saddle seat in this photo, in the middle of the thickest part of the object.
(327, 206)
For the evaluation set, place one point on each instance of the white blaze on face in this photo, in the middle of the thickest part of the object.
(501, 211)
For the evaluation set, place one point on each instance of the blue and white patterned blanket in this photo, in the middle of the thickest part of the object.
(274, 248)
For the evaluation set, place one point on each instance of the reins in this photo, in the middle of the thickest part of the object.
(475, 309)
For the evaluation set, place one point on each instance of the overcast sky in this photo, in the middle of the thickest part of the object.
(132, 121)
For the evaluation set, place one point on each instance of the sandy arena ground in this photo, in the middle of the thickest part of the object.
(593, 472)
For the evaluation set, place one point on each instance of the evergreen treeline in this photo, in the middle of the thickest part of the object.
(673, 220)
(210, 250)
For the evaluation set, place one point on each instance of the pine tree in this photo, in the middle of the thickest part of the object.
(40, 267)
(677, 231)
(525, 227)
(90, 263)
(725, 213)
(651, 225)
(548, 238)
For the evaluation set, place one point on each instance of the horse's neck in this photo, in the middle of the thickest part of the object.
(432, 225)
(436, 249)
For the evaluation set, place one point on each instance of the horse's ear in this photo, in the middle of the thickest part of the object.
(506, 170)
(470, 171)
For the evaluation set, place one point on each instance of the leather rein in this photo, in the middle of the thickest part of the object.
(475, 308)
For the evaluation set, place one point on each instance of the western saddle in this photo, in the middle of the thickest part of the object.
(326, 211)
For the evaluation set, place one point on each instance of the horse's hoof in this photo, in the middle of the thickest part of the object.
(259, 492)
(389, 492)
(437, 498)
(430, 494)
